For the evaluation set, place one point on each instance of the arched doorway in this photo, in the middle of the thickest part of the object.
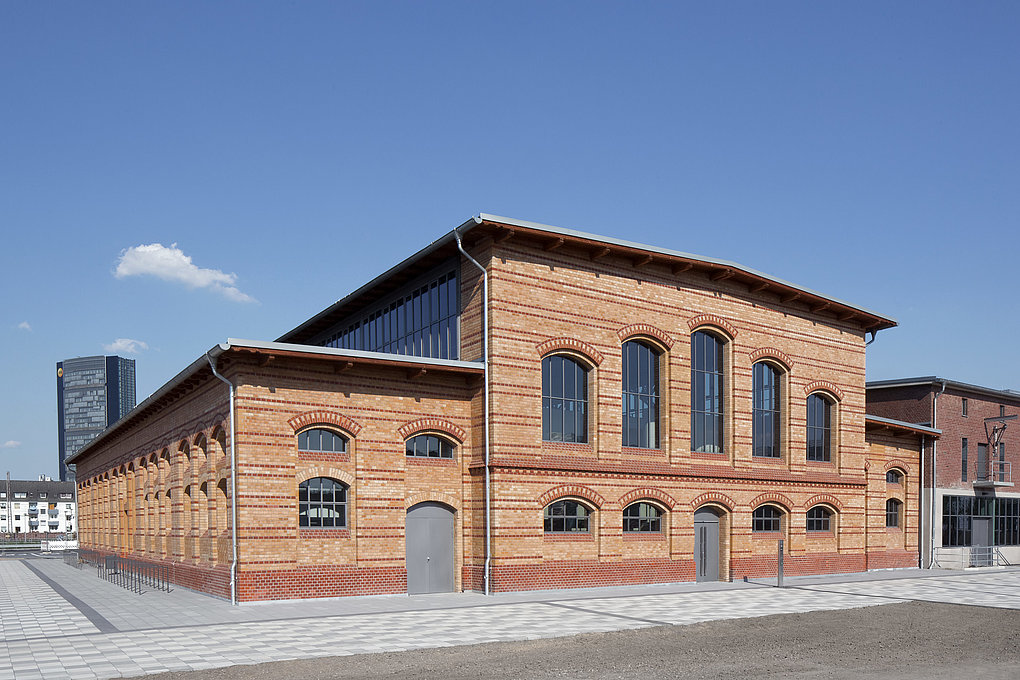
(429, 548)
(706, 544)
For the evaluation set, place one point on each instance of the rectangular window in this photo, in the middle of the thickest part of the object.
(963, 460)
(1007, 521)
(1000, 465)
(982, 463)
(1002, 410)
(963, 407)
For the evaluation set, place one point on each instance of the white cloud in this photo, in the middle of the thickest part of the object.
(10, 444)
(25, 326)
(126, 346)
(171, 264)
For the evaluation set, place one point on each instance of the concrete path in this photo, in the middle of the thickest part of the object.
(61, 622)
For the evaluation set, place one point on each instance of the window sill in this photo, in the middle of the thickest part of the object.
(820, 463)
(326, 456)
(638, 451)
(893, 530)
(323, 532)
(568, 446)
(569, 536)
(769, 460)
(643, 536)
(820, 534)
(773, 535)
(420, 460)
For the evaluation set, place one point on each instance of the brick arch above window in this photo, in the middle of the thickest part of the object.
(711, 321)
(571, 491)
(431, 424)
(307, 472)
(897, 464)
(324, 417)
(772, 498)
(431, 497)
(771, 353)
(638, 330)
(824, 386)
(713, 498)
(647, 493)
(572, 345)
(824, 499)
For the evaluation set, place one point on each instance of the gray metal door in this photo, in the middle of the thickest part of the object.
(429, 548)
(981, 541)
(706, 545)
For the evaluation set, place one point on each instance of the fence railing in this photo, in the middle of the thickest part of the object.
(134, 575)
(973, 556)
(993, 471)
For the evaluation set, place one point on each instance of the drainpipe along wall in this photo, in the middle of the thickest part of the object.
(934, 472)
(485, 359)
(233, 484)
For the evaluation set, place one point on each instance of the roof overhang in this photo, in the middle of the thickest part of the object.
(936, 382)
(900, 427)
(504, 228)
(265, 352)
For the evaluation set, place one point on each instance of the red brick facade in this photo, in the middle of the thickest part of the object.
(158, 485)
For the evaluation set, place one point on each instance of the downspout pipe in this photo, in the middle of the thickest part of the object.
(924, 443)
(233, 483)
(934, 472)
(485, 360)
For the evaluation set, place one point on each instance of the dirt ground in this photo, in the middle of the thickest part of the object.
(909, 640)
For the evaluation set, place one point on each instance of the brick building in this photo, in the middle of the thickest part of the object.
(589, 412)
(975, 517)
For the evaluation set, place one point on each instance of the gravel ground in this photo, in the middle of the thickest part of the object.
(909, 640)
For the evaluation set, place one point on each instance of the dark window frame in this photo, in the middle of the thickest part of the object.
(637, 520)
(429, 445)
(818, 431)
(819, 519)
(767, 518)
(963, 460)
(557, 519)
(893, 513)
(313, 440)
(766, 410)
(640, 387)
(963, 407)
(708, 392)
(565, 389)
(893, 476)
(312, 496)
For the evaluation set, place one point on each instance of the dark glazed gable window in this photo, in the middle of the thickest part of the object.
(892, 513)
(429, 446)
(321, 440)
(819, 428)
(893, 477)
(766, 411)
(566, 517)
(819, 519)
(422, 323)
(564, 400)
(642, 517)
(322, 502)
(766, 518)
(963, 407)
(640, 395)
(706, 393)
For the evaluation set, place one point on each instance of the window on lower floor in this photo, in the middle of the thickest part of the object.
(819, 518)
(566, 517)
(766, 518)
(892, 513)
(322, 502)
(642, 517)
(961, 515)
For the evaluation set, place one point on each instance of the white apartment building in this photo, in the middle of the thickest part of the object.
(42, 506)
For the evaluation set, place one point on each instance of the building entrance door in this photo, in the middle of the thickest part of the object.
(981, 542)
(706, 544)
(429, 549)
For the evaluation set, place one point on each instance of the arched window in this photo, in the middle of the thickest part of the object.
(819, 428)
(766, 413)
(707, 407)
(564, 400)
(892, 513)
(893, 477)
(429, 446)
(566, 517)
(766, 518)
(322, 502)
(640, 395)
(643, 517)
(819, 518)
(320, 440)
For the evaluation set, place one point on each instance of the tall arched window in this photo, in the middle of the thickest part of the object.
(564, 400)
(640, 395)
(322, 502)
(819, 428)
(707, 407)
(766, 413)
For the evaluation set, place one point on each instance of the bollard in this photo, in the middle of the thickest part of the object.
(779, 573)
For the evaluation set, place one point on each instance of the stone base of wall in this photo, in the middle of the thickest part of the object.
(321, 581)
(892, 559)
(589, 574)
(767, 566)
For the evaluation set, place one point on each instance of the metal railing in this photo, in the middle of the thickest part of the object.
(134, 575)
(993, 471)
(973, 556)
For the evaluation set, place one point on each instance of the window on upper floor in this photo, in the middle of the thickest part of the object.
(963, 407)
(566, 516)
(707, 383)
(640, 395)
(428, 446)
(1002, 410)
(893, 477)
(819, 518)
(892, 513)
(766, 518)
(963, 460)
(765, 411)
(642, 517)
(321, 440)
(819, 428)
(322, 502)
(564, 399)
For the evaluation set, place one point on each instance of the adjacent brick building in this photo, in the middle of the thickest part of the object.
(645, 415)
(976, 509)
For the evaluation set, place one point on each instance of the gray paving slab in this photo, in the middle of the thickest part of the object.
(177, 631)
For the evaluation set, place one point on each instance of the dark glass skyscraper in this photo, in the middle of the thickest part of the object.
(92, 394)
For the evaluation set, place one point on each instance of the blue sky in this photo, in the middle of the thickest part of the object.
(281, 154)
